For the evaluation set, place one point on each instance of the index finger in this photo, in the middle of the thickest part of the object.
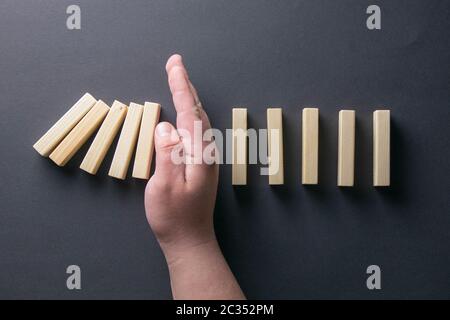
(190, 115)
(185, 98)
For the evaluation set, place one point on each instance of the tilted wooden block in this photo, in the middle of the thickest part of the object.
(239, 147)
(48, 142)
(104, 138)
(127, 142)
(275, 143)
(381, 148)
(310, 146)
(346, 152)
(146, 142)
(80, 134)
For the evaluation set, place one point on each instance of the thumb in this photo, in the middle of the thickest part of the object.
(169, 153)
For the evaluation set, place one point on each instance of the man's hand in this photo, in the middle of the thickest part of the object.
(180, 199)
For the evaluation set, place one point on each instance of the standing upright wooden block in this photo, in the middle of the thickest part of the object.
(381, 148)
(127, 142)
(275, 143)
(146, 142)
(346, 152)
(239, 147)
(310, 146)
(79, 135)
(104, 138)
(48, 142)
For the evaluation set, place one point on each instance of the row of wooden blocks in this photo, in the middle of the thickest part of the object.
(80, 122)
(310, 147)
(69, 133)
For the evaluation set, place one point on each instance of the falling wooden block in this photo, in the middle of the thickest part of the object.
(48, 142)
(310, 146)
(104, 138)
(346, 152)
(381, 148)
(146, 142)
(275, 143)
(80, 134)
(127, 142)
(239, 147)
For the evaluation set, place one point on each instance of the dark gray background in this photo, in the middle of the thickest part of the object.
(285, 242)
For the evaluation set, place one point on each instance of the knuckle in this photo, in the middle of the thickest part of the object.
(157, 186)
(168, 146)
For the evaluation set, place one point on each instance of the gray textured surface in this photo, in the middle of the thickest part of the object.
(286, 242)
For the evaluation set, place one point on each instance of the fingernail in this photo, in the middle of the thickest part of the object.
(163, 129)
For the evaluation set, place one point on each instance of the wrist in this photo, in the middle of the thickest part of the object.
(183, 250)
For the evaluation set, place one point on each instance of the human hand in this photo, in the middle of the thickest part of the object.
(180, 199)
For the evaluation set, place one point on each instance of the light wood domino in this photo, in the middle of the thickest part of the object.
(80, 134)
(127, 142)
(275, 143)
(146, 142)
(104, 138)
(381, 148)
(310, 146)
(346, 149)
(239, 147)
(48, 142)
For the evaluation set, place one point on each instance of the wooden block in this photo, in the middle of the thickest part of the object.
(48, 142)
(80, 134)
(146, 142)
(310, 146)
(239, 147)
(104, 138)
(346, 152)
(381, 148)
(127, 142)
(275, 142)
